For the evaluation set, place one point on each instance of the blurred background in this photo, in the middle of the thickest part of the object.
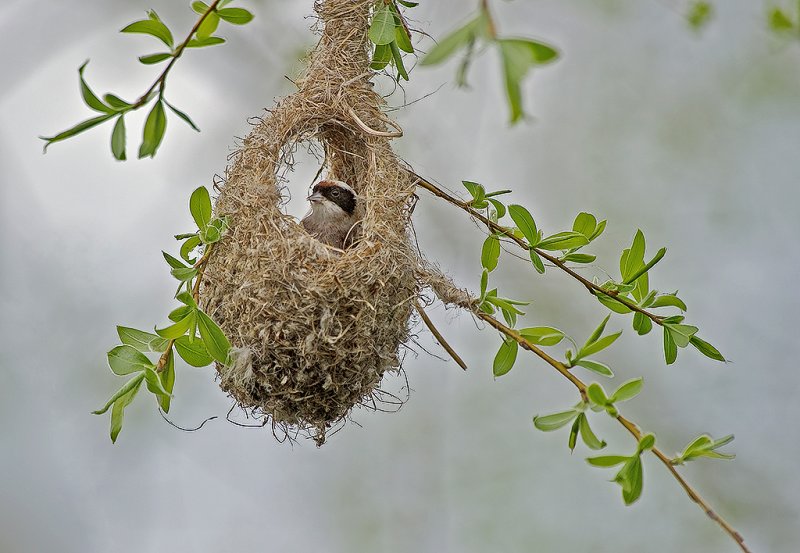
(691, 137)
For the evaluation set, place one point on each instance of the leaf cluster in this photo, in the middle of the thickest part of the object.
(111, 106)
(192, 334)
(389, 33)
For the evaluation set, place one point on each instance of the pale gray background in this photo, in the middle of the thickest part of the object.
(692, 138)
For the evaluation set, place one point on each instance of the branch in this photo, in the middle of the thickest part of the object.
(438, 335)
(593, 288)
(629, 425)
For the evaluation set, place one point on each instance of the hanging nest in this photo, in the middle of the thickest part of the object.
(313, 329)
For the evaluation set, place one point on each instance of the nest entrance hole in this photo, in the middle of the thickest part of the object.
(302, 165)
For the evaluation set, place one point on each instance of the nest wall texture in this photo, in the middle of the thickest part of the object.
(314, 330)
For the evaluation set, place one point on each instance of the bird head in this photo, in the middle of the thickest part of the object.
(332, 194)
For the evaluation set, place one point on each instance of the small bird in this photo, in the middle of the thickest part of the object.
(332, 218)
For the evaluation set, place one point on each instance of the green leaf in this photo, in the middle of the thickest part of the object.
(704, 446)
(490, 252)
(152, 59)
(184, 275)
(476, 190)
(579, 257)
(596, 367)
(607, 460)
(194, 352)
(633, 482)
(647, 442)
(186, 298)
(453, 42)
(643, 269)
(154, 128)
(120, 400)
(142, 341)
(542, 335)
(779, 21)
(628, 390)
(669, 300)
(118, 139)
(188, 246)
(77, 129)
(681, 334)
(173, 262)
(525, 223)
(632, 258)
(89, 97)
(563, 241)
(573, 433)
(127, 359)
(597, 332)
(116, 102)
(699, 14)
(207, 41)
(599, 345)
(381, 30)
(180, 313)
(670, 349)
(167, 377)
(208, 26)
(235, 16)
(154, 384)
(484, 283)
(381, 56)
(126, 388)
(706, 349)
(538, 264)
(613, 304)
(517, 56)
(505, 358)
(596, 394)
(215, 341)
(587, 435)
(151, 27)
(398, 61)
(499, 207)
(182, 115)
(585, 223)
(199, 7)
(200, 207)
(401, 36)
(548, 423)
(176, 330)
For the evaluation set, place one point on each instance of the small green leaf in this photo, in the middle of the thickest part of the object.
(706, 349)
(89, 97)
(670, 349)
(647, 442)
(542, 335)
(669, 300)
(585, 223)
(77, 129)
(633, 482)
(199, 7)
(490, 252)
(215, 341)
(587, 435)
(200, 207)
(131, 384)
(563, 241)
(142, 341)
(398, 61)
(613, 304)
(596, 394)
(681, 334)
(153, 382)
(548, 423)
(579, 257)
(116, 102)
(154, 128)
(525, 223)
(599, 345)
(505, 358)
(628, 390)
(235, 16)
(184, 275)
(596, 367)
(779, 21)
(208, 26)
(167, 377)
(484, 283)
(208, 41)
(453, 42)
(499, 207)
(573, 433)
(127, 359)
(151, 27)
(176, 330)
(642, 324)
(180, 313)
(194, 352)
(699, 14)
(381, 30)
(381, 56)
(597, 332)
(607, 460)
(401, 36)
(188, 246)
(173, 262)
(477, 191)
(538, 264)
(118, 139)
(152, 59)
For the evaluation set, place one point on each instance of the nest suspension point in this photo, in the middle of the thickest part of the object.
(314, 330)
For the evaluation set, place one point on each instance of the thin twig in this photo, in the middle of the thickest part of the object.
(629, 425)
(593, 288)
(439, 338)
(364, 127)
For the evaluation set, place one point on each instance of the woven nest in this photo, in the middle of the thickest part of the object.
(314, 329)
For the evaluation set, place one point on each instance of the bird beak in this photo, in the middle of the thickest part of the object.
(315, 197)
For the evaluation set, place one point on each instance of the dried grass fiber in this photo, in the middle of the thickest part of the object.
(315, 330)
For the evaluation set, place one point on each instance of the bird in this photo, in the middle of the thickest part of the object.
(332, 219)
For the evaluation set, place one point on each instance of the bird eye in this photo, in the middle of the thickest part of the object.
(335, 193)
